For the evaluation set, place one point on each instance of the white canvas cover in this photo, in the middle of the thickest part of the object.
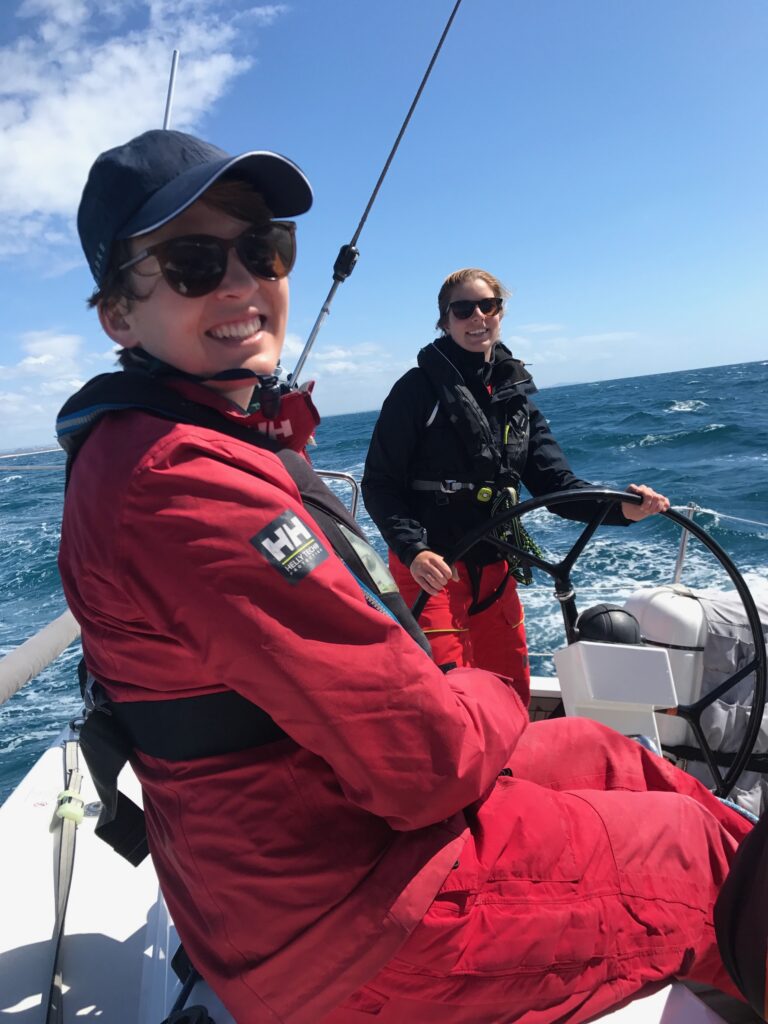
(728, 647)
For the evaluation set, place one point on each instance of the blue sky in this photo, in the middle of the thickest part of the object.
(607, 159)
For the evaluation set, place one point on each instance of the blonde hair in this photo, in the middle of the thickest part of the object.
(462, 277)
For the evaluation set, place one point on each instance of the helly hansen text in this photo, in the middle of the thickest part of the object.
(290, 546)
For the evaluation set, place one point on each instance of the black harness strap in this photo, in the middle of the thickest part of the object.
(175, 730)
(180, 730)
(475, 573)
(121, 823)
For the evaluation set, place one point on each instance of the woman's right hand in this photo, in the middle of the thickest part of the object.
(432, 572)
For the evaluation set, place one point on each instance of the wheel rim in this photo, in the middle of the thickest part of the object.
(560, 572)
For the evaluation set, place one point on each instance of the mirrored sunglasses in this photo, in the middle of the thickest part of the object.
(195, 265)
(463, 309)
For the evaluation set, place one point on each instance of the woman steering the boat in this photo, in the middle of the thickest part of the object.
(455, 439)
(341, 831)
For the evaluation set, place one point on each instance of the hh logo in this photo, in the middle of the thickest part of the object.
(290, 546)
(284, 429)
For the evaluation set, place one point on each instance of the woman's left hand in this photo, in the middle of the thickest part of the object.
(653, 502)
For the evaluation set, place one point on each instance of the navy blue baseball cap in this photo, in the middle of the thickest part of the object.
(140, 186)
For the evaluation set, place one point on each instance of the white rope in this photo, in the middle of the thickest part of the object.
(720, 515)
(28, 659)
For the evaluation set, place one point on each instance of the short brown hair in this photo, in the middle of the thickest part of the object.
(236, 198)
(462, 277)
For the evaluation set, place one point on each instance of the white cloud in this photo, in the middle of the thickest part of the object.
(264, 15)
(549, 349)
(539, 328)
(360, 363)
(366, 350)
(11, 403)
(606, 337)
(339, 367)
(107, 355)
(65, 12)
(69, 91)
(61, 387)
(47, 373)
(294, 346)
(354, 377)
(514, 341)
(49, 355)
(563, 344)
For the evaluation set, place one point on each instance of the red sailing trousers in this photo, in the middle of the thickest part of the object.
(493, 639)
(589, 878)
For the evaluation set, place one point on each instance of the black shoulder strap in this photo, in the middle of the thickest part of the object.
(134, 389)
(461, 408)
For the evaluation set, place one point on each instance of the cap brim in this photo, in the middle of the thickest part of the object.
(284, 187)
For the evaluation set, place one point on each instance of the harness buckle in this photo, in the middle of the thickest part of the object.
(94, 697)
(452, 486)
(70, 806)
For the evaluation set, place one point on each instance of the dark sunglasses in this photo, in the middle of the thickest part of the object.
(463, 309)
(195, 265)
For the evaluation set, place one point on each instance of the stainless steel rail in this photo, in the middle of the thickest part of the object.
(346, 478)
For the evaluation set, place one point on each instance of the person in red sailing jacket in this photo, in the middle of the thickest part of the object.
(456, 437)
(386, 841)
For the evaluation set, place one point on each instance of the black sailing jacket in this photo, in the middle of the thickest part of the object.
(440, 423)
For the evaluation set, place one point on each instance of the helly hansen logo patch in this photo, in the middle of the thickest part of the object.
(290, 546)
(284, 430)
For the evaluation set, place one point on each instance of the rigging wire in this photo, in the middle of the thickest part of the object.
(348, 254)
(720, 515)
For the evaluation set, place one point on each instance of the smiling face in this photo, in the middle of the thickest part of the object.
(479, 333)
(239, 325)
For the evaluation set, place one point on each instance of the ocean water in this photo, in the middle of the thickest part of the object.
(700, 436)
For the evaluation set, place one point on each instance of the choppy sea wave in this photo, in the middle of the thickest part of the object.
(700, 436)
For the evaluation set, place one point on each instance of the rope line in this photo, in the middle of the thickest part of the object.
(721, 515)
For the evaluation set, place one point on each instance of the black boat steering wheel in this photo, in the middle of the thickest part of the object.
(566, 595)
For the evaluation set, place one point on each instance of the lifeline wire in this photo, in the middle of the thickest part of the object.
(720, 515)
(347, 258)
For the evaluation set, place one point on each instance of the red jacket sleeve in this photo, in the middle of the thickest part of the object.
(216, 549)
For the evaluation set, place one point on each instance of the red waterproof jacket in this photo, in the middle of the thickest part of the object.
(293, 871)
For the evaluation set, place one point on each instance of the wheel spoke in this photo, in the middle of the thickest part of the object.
(584, 538)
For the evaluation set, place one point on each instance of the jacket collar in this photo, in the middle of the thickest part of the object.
(502, 371)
